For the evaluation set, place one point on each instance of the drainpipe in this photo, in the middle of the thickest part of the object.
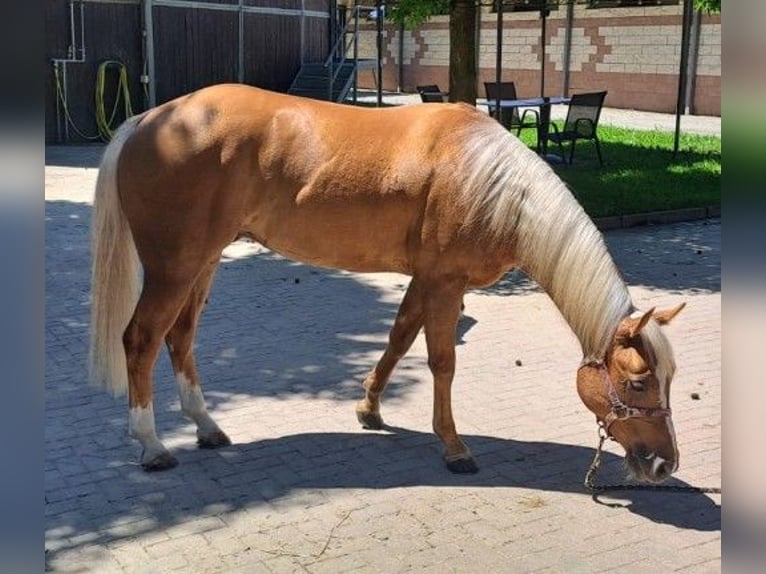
(150, 77)
(60, 64)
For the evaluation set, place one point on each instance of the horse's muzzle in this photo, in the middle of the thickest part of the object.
(650, 467)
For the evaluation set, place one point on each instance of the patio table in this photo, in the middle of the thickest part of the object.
(544, 104)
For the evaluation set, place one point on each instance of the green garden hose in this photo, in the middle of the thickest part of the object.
(103, 123)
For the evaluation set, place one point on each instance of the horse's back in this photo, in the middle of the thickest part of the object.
(327, 184)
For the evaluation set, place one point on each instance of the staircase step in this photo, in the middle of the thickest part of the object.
(313, 78)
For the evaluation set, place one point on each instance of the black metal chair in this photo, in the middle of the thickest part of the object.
(431, 93)
(581, 123)
(510, 117)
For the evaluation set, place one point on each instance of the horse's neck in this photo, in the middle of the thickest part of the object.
(526, 208)
(561, 249)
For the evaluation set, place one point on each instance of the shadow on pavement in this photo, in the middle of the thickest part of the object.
(679, 258)
(74, 155)
(289, 340)
(303, 330)
(264, 472)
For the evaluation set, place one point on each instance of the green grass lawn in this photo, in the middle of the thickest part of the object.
(640, 174)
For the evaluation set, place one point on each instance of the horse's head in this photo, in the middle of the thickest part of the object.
(630, 394)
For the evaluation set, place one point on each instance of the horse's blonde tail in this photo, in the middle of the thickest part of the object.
(116, 273)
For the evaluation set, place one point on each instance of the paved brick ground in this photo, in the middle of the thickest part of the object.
(283, 349)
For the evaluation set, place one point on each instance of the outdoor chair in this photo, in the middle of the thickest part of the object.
(510, 118)
(431, 93)
(581, 123)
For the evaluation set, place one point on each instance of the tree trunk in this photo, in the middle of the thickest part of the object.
(462, 51)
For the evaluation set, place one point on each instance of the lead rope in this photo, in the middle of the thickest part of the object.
(590, 476)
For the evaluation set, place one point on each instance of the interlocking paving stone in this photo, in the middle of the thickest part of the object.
(304, 489)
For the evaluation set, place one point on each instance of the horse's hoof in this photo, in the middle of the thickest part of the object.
(213, 440)
(463, 466)
(163, 461)
(369, 420)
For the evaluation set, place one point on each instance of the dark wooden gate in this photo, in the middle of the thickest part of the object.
(188, 44)
(258, 42)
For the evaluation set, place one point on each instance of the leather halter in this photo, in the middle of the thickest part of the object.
(620, 411)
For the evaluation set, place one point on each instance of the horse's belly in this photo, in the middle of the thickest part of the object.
(338, 242)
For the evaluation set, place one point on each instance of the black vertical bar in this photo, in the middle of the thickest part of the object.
(499, 56)
(543, 12)
(356, 49)
(333, 23)
(685, 28)
(401, 58)
(568, 46)
(379, 21)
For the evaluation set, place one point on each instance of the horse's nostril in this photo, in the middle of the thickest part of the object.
(663, 469)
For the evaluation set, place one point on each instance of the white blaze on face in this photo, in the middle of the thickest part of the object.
(664, 372)
(659, 346)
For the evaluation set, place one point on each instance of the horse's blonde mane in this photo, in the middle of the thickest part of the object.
(518, 198)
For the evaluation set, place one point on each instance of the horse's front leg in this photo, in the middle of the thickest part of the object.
(442, 310)
(180, 341)
(408, 321)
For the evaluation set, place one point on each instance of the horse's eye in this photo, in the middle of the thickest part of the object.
(637, 386)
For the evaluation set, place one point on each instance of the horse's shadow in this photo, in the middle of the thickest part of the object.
(330, 350)
(273, 470)
(397, 457)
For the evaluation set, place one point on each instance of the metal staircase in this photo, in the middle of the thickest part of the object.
(324, 82)
(334, 78)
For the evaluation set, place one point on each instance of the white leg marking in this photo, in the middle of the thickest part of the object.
(141, 423)
(193, 406)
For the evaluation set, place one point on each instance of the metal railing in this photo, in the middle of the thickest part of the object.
(333, 65)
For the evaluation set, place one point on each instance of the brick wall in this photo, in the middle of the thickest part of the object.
(633, 53)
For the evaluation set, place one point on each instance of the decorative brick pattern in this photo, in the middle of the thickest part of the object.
(641, 49)
(520, 48)
(436, 52)
(582, 51)
(625, 51)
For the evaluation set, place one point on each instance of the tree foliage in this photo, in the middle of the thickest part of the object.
(412, 13)
(708, 5)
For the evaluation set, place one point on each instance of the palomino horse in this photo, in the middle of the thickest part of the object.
(438, 192)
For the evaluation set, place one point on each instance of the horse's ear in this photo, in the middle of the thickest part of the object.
(665, 317)
(635, 329)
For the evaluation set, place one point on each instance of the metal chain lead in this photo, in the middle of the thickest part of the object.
(590, 476)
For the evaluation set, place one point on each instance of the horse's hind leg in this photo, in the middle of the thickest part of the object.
(179, 341)
(157, 309)
(442, 310)
(408, 321)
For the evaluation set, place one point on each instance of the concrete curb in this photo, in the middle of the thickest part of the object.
(657, 217)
